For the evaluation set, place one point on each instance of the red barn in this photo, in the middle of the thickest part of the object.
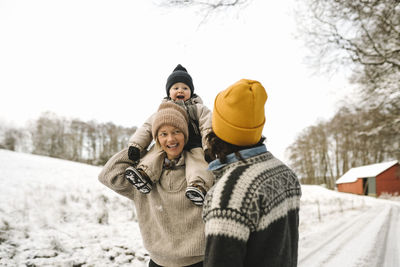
(372, 180)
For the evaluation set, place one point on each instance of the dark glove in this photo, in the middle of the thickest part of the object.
(133, 153)
(194, 137)
(207, 156)
(193, 143)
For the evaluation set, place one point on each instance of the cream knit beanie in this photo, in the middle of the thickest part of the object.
(171, 114)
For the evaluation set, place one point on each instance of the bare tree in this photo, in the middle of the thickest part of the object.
(47, 135)
(362, 34)
(208, 4)
(11, 139)
(353, 137)
(76, 140)
(206, 8)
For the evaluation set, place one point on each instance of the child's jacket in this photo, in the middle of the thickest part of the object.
(199, 126)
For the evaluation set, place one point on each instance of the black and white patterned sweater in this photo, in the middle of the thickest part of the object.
(252, 212)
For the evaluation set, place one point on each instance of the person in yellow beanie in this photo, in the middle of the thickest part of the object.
(251, 214)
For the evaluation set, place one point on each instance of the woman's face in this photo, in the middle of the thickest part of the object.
(171, 140)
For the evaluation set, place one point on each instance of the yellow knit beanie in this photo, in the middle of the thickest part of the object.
(238, 117)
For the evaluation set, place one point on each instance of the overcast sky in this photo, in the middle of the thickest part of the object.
(109, 61)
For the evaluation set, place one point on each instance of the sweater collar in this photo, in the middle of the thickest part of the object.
(231, 158)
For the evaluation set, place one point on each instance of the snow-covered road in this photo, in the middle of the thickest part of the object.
(371, 238)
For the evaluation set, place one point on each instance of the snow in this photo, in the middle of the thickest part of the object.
(365, 171)
(55, 213)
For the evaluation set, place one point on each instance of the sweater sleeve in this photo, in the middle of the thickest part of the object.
(113, 174)
(225, 249)
(143, 136)
(204, 114)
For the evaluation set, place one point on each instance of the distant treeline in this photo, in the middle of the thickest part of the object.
(352, 138)
(319, 155)
(71, 139)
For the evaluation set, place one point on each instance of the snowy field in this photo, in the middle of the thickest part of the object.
(55, 213)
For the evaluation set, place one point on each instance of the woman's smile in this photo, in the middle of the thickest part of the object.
(171, 140)
(173, 146)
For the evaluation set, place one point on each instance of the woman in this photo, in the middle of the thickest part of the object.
(171, 226)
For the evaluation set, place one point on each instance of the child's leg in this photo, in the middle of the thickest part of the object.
(196, 169)
(198, 178)
(152, 163)
(147, 171)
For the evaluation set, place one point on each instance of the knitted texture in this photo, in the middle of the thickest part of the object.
(179, 75)
(171, 114)
(143, 136)
(251, 214)
(171, 226)
(238, 117)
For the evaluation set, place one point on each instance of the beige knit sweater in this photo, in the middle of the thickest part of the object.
(171, 225)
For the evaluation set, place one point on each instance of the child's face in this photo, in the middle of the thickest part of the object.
(179, 91)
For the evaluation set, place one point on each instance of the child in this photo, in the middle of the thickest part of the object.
(179, 88)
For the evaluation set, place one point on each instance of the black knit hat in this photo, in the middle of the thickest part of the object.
(179, 74)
